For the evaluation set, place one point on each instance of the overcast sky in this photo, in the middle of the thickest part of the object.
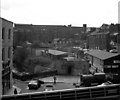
(61, 12)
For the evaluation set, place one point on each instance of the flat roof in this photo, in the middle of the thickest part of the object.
(102, 54)
(56, 52)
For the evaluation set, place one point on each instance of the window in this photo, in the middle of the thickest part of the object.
(115, 66)
(9, 52)
(107, 66)
(9, 34)
(3, 54)
(3, 33)
(116, 61)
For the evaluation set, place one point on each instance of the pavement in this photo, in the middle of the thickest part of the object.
(63, 82)
(65, 79)
(11, 91)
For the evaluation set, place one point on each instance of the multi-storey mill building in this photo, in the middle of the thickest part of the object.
(6, 55)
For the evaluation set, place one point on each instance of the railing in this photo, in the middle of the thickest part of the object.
(86, 93)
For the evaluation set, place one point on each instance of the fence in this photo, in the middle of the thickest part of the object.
(87, 93)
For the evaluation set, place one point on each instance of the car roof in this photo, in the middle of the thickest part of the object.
(49, 85)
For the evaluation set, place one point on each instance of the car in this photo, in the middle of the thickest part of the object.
(34, 84)
(114, 51)
(39, 81)
(49, 87)
(77, 85)
(106, 83)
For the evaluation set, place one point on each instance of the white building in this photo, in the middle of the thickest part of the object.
(6, 55)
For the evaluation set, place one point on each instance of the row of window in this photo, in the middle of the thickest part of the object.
(4, 53)
(99, 36)
(4, 31)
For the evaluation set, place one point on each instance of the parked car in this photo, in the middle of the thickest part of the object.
(34, 84)
(106, 83)
(49, 87)
(77, 85)
(114, 51)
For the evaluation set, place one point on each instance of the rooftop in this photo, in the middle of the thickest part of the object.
(56, 52)
(102, 54)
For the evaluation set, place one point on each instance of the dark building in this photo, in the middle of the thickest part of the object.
(104, 38)
(118, 41)
(47, 33)
(114, 28)
(99, 40)
(44, 33)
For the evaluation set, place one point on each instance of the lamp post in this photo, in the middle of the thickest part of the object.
(80, 77)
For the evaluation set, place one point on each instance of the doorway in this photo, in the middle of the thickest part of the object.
(69, 70)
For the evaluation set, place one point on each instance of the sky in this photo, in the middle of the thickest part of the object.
(61, 12)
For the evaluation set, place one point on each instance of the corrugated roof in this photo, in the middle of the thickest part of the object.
(102, 54)
(56, 52)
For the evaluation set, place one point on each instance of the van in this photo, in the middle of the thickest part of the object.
(92, 80)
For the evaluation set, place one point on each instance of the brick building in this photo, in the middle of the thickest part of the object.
(68, 65)
(6, 38)
(102, 61)
(99, 40)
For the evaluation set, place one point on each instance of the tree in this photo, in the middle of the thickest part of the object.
(35, 44)
(20, 54)
(34, 63)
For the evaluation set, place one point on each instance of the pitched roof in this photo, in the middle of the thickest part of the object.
(102, 54)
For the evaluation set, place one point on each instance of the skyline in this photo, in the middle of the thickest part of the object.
(61, 12)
